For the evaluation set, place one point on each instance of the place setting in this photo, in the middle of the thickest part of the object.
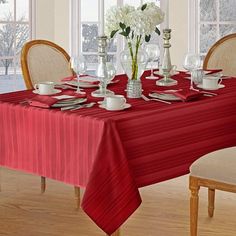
(114, 103)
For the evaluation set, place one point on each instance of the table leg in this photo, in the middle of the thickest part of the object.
(116, 233)
(43, 184)
(77, 197)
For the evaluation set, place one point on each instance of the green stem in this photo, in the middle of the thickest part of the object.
(135, 59)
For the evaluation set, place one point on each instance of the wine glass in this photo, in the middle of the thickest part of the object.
(153, 52)
(78, 64)
(192, 62)
(111, 71)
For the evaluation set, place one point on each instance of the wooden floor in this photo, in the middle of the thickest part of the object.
(164, 211)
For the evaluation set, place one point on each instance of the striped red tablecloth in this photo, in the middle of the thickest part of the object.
(112, 154)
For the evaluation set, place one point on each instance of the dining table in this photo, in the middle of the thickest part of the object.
(114, 153)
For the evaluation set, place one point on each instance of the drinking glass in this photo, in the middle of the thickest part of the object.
(78, 64)
(153, 52)
(192, 62)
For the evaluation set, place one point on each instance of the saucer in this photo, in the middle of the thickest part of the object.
(219, 86)
(126, 105)
(55, 91)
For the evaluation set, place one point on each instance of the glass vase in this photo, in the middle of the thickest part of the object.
(134, 66)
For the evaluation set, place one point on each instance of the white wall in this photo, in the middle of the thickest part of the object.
(179, 25)
(62, 23)
(45, 19)
(52, 23)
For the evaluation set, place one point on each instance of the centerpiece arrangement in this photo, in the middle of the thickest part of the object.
(136, 25)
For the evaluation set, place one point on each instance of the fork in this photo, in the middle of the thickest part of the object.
(154, 99)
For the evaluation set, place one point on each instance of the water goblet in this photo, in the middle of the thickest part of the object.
(192, 62)
(78, 64)
(153, 52)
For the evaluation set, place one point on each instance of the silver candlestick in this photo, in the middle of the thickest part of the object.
(166, 63)
(101, 72)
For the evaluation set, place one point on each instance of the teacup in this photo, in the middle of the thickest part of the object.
(45, 87)
(211, 82)
(115, 102)
(172, 71)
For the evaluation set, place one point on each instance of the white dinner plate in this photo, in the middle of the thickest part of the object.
(219, 86)
(82, 84)
(126, 105)
(55, 91)
(69, 102)
(167, 97)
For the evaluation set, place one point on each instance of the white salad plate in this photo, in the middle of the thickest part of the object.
(167, 97)
(69, 102)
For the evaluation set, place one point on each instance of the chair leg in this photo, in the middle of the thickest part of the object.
(211, 202)
(43, 184)
(193, 185)
(116, 233)
(77, 197)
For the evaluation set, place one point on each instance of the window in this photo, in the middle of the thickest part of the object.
(15, 30)
(85, 31)
(210, 20)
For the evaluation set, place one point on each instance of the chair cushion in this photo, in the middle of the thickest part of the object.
(219, 166)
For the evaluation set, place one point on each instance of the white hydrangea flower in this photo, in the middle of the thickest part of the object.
(141, 22)
(117, 15)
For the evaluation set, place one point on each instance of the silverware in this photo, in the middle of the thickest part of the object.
(88, 105)
(154, 99)
(78, 106)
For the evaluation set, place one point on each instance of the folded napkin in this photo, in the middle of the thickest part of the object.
(70, 78)
(47, 101)
(42, 101)
(184, 94)
(212, 71)
(207, 71)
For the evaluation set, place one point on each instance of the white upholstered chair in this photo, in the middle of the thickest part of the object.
(216, 170)
(42, 60)
(222, 55)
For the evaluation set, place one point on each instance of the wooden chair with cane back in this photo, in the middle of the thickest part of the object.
(222, 55)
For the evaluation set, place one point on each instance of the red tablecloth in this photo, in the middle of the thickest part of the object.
(112, 154)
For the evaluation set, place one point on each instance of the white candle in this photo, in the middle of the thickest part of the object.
(166, 26)
(101, 14)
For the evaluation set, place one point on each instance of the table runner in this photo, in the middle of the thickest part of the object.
(112, 154)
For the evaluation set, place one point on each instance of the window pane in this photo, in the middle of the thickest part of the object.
(7, 11)
(157, 2)
(208, 36)
(227, 10)
(7, 35)
(135, 3)
(9, 81)
(22, 10)
(89, 37)
(227, 29)
(109, 4)
(208, 10)
(22, 35)
(89, 10)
